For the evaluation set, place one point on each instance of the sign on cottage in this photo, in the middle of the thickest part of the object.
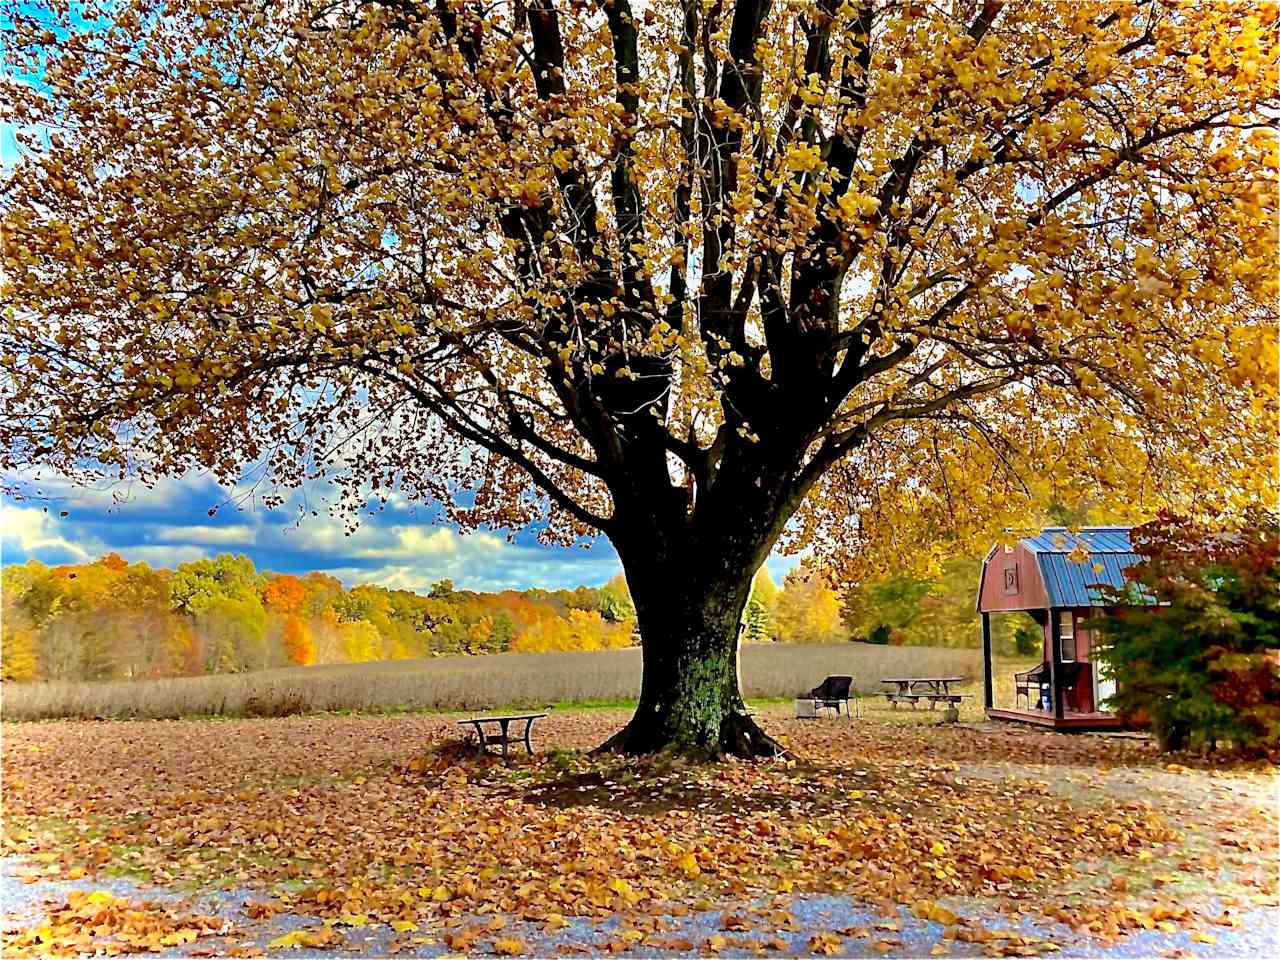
(1011, 580)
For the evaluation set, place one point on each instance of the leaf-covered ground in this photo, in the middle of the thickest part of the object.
(891, 834)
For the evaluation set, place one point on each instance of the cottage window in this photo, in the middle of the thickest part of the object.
(1066, 637)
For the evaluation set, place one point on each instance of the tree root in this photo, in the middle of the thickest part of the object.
(740, 736)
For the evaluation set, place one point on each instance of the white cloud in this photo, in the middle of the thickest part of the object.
(241, 533)
(39, 534)
(779, 565)
(148, 525)
(477, 561)
(32, 529)
(66, 495)
(321, 534)
(408, 542)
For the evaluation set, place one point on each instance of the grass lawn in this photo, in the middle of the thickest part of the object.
(354, 823)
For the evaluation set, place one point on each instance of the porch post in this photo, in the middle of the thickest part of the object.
(986, 660)
(1055, 657)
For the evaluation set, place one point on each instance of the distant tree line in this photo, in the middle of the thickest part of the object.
(111, 619)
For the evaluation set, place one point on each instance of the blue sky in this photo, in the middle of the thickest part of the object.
(403, 546)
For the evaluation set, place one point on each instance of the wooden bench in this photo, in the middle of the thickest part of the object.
(933, 698)
(503, 736)
(1028, 682)
(1032, 682)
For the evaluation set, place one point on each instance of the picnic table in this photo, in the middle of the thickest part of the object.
(503, 737)
(913, 689)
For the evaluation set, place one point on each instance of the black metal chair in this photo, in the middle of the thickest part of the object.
(831, 693)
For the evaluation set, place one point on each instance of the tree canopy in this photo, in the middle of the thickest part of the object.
(818, 264)
(519, 240)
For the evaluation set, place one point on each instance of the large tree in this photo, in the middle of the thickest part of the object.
(693, 276)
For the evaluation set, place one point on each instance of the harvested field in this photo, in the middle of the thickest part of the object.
(463, 683)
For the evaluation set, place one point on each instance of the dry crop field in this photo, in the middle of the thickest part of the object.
(465, 683)
(356, 825)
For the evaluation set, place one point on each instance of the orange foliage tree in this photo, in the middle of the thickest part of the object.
(692, 274)
(284, 594)
(299, 646)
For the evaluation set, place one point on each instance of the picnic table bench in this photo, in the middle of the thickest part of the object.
(503, 725)
(914, 689)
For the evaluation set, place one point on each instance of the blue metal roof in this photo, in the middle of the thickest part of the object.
(1096, 540)
(1071, 584)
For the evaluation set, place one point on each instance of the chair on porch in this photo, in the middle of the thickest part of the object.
(1030, 681)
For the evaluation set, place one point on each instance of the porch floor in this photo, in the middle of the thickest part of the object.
(1071, 719)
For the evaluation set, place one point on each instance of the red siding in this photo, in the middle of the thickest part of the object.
(1011, 581)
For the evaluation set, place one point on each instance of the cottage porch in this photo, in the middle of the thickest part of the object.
(1070, 719)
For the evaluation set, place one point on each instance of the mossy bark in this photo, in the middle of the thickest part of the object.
(690, 701)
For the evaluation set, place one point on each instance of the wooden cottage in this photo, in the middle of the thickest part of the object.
(1045, 577)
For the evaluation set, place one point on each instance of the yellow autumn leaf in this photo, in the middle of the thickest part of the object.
(688, 865)
(928, 910)
(296, 940)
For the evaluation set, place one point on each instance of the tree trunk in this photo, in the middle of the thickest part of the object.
(690, 702)
(1171, 735)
